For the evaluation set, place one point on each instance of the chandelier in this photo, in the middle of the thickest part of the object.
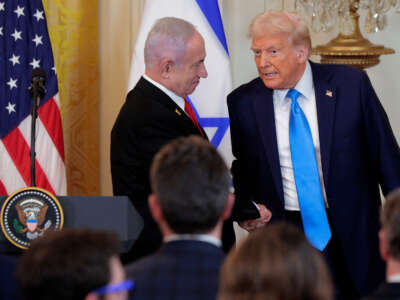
(349, 47)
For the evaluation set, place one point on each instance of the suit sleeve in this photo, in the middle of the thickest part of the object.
(382, 144)
(244, 208)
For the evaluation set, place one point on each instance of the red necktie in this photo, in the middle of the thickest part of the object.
(189, 110)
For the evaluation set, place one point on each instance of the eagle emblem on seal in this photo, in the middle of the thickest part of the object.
(28, 213)
(31, 214)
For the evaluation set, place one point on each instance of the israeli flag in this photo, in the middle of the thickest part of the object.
(209, 98)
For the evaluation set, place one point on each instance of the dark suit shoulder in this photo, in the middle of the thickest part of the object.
(176, 253)
(338, 73)
(141, 107)
(247, 88)
(385, 291)
(179, 270)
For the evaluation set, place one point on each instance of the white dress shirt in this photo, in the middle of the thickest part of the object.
(282, 113)
(177, 99)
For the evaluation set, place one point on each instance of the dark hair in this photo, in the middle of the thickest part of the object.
(390, 219)
(192, 182)
(66, 264)
(275, 263)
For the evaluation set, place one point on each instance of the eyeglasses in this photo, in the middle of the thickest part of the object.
(114, 288)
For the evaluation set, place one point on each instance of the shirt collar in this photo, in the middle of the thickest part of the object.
(305, 86)
(394, 278)
(177, 99)
(194, 237)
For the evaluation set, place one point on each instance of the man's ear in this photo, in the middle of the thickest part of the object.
(166, 66)
(228, 206)
(383, 249)
(155, 208)
(301, 53)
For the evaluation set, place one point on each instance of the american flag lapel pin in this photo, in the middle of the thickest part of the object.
(177, 111)
(328, 93)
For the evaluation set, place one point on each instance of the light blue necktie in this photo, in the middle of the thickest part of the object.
(305, 169)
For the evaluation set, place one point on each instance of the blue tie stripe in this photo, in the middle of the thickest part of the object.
(305, 170)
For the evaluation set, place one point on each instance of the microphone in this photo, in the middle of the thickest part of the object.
(37, 91)
(38, 81)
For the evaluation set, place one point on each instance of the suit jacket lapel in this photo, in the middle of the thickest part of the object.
(162, 98)
(265, 117)
(325, 96)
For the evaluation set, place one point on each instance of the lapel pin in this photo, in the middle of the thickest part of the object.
(177, 111)
(328, 93)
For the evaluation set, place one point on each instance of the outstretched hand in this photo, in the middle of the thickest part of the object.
(265, 217)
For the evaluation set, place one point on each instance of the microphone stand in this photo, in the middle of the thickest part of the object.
(37, 91)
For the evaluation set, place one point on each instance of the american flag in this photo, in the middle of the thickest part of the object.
(25, 45)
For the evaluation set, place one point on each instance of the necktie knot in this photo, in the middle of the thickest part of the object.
(294, 95)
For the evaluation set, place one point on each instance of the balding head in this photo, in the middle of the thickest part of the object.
(174, 56)
(167, 38)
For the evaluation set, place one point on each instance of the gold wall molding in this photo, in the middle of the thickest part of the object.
(73, 29)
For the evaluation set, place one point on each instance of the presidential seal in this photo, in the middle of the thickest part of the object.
(28, 213)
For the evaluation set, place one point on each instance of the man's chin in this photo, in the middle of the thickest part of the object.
(192, 91)
(270, 83)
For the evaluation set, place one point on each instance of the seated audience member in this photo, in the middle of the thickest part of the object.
(190, 184)
(8, 282)
(275, 263)
(73, 264)
(389, 246)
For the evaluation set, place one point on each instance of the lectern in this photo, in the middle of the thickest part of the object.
(115, 214)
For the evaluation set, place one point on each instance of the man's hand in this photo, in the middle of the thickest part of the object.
(265, 217)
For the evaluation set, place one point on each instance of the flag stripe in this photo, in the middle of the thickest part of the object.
(49, 114)
(3, 191)
(211, 11)
(46, 154)
(11, 178)
(15, 141)
(16, 147)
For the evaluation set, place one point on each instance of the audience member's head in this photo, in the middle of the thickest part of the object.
(190, 183)
(389, 236)
(73, 264)
(174, 55)
(275, 263)
(281, 45)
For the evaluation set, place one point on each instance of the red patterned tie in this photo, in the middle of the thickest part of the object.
(189, 110)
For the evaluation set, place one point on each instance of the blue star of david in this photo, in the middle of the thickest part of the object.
(222, 125)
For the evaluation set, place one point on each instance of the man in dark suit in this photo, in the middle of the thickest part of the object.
(156, 112)
(389, 246)
(190, 201)
(312, 145)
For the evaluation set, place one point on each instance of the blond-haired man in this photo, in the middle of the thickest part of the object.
(312, 145)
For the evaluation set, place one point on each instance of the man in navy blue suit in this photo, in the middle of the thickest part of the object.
(312, 145)
(190, 183)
